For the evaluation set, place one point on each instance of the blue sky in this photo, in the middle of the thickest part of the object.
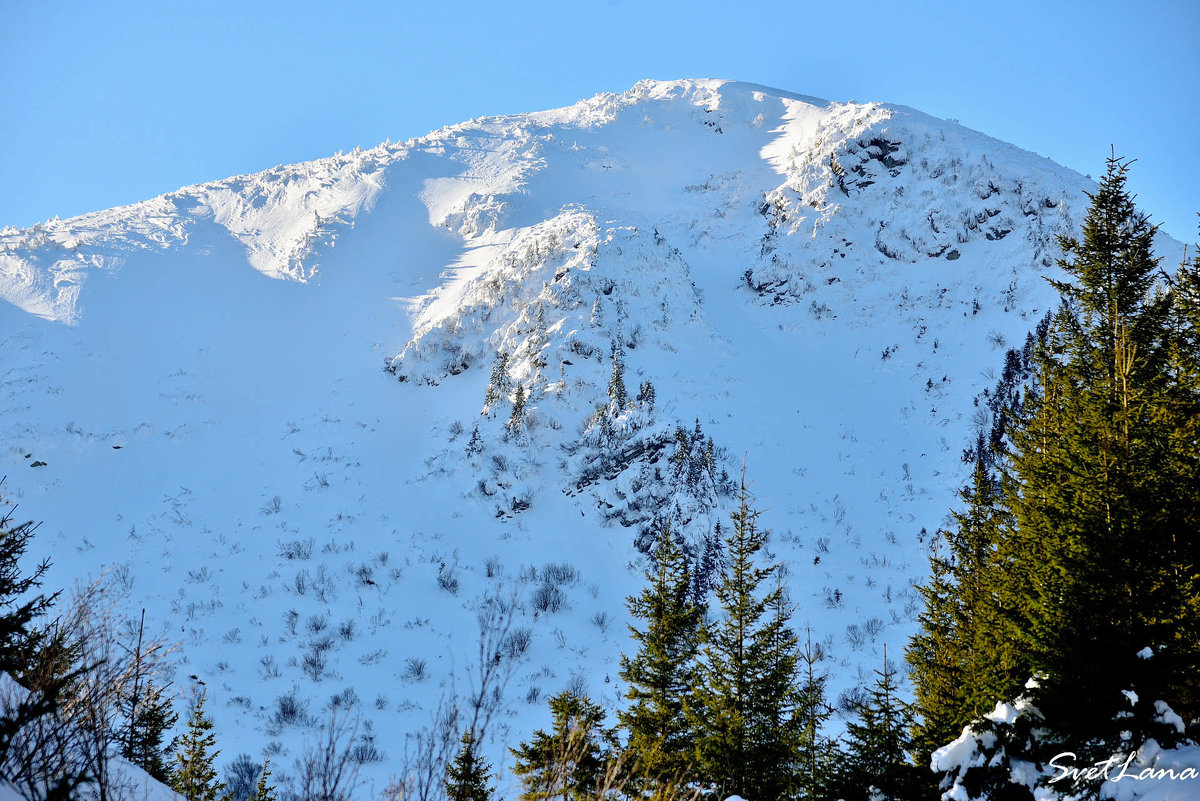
(110, 103)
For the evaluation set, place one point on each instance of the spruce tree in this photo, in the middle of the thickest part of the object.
(748, 670)
(45, 663)
(617, 394)
(569, 762)
(1079, 543)
(516, 421)
(498, 383)
(264, 791)
(877, 741)
(1183, 574)
(145, 743)
(778, 719)
(817, 755)
(20, 605)
(964, 660)
(195, 775)
(1100, 541)
(468, 776)
(147, 709)
(661, 675)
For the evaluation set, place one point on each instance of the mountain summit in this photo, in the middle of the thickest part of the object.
(323, 420)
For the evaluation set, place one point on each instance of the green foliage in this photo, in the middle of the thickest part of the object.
(572, 760)
(195, 775)
(964, 658)
(617, 394)
(661, 676)
(516, 421)
(20, 606)
(878, 743)
(746, 708)
(36, 752)
(1079, 542)
(817, 756)
(150, 719)
(468, 777)
(1103, 546)
(264, 791)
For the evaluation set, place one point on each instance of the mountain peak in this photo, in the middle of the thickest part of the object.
(371, 392)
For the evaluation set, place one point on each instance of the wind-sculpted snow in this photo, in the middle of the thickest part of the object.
(537, 338)
(279, 216)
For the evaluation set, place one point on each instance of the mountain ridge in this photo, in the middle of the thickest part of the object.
(819, 291)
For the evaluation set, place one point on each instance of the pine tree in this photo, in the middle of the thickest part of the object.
(516, 421)
(877, 765)
(662, 674)
(20, 606)
(264, 791)
(570, 761)
(743, 707)
(498, 383)
(817, 755)
(147, 710)
(617, 394)
(1078, 547)
(468, 777)
(146, 744)
(1096, 553)
(195, 775)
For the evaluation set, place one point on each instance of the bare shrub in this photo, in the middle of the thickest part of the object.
(327, 770)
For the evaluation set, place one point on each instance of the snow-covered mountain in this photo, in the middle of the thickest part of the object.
(279, 407)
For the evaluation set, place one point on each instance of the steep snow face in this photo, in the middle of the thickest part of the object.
(279, 216)
(537, 337)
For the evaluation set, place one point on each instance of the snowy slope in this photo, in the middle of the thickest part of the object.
(262, 400)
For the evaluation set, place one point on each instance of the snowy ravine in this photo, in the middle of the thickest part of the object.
(260, 402)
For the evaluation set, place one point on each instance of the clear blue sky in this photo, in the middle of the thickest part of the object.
(109, 103)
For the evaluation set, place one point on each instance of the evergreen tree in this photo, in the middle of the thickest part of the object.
(1079, 545)
(147, 710)
(617, 393)
(498, 383)
(964, 659)
(264, 791)
(817, 755)
(1101, 554)
(468, 777)
(146, 744)
(877, 765)
(662, 674)
(778, 720)
(516, 421)
(1184, 472)
(569, 762)
(20, 605)
(37, 754)
(195, 775)
(748, 670)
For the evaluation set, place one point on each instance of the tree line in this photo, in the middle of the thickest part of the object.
(1070, 576)
(1068, 584)
(719, 702)
(1068, 579)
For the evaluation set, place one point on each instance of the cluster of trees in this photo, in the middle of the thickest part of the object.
(80, 693)
(721, 701)
(1069, 578)
(1075, 559)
